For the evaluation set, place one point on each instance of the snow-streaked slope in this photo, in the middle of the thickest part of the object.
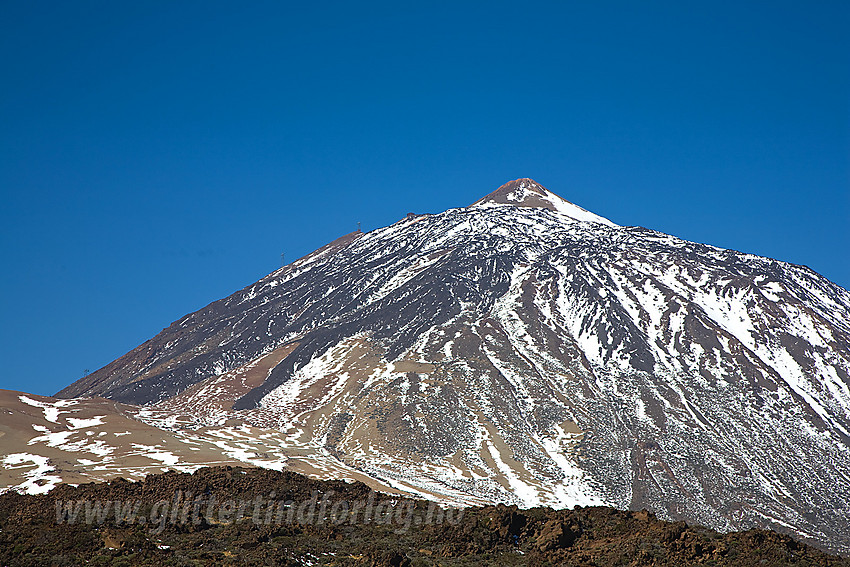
(46, 441)
(522, 350)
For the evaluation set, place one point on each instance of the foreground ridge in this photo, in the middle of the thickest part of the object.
(218, 515)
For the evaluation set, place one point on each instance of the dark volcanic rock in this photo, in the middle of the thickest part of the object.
(31, 536)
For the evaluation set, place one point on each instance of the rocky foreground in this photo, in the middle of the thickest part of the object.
(236, 516)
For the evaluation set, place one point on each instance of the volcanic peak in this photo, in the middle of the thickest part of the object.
(525, 192)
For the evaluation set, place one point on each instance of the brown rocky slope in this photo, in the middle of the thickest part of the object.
(235, 516)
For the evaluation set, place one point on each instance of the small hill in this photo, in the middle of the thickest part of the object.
(237, 516)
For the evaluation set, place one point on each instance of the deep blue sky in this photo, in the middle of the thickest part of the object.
(155, 157)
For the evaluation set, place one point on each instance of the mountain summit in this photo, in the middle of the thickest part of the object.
(524, 350)
(526, 192)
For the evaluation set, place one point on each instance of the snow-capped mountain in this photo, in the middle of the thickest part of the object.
(525, 350)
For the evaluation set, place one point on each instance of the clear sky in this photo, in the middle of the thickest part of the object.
(157, 156)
